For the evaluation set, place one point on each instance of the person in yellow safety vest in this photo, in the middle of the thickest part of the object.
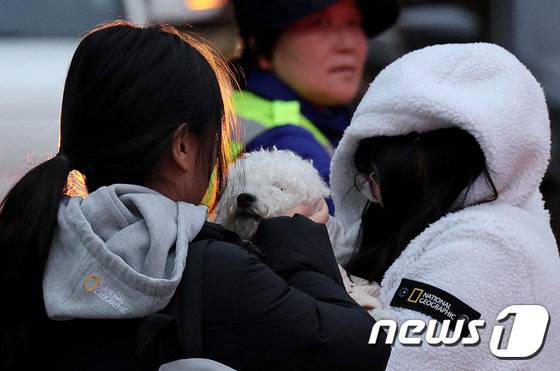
(302, 63)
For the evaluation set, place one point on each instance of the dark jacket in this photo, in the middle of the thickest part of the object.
(290, 313)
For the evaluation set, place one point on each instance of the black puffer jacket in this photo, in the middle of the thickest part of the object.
(290, 313)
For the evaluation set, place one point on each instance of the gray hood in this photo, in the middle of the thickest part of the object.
(118, 253)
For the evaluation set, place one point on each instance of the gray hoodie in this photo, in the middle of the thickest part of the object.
(118, 253)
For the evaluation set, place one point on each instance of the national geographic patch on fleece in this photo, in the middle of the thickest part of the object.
(434, 302)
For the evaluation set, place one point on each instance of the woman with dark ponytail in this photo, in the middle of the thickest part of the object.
(130, 264)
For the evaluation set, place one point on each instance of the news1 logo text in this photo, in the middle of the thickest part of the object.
(526, 339)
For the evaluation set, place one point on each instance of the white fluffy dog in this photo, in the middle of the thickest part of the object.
(263, 183)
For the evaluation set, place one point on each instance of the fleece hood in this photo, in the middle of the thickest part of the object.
(118, 253)
(480, 88)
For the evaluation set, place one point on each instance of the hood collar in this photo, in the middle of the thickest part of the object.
(120, 252)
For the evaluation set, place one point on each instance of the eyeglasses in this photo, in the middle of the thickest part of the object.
(368, 185)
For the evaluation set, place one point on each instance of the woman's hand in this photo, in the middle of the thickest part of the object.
(316, 210)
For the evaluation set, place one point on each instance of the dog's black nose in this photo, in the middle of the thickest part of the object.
(245, 200)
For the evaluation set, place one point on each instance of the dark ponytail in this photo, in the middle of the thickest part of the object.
(128, 90)
(28, 216)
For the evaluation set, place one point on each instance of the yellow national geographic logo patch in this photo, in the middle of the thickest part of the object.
(91, 283)
(94, 284)
(415, 295)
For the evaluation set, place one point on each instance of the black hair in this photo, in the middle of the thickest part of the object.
(255, 47)
(127, 91)
(422, 177)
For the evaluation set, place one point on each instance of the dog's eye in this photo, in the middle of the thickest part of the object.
(280, 187)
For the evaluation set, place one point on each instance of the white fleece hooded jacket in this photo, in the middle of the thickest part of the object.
(489, 256)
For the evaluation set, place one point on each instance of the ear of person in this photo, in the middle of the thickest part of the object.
(180, 148)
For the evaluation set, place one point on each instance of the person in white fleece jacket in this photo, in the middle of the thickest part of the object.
(489, 247)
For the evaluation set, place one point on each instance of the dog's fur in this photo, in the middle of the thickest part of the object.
(277, 179)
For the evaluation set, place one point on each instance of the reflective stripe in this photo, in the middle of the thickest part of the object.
(258, 115)
(251, 129)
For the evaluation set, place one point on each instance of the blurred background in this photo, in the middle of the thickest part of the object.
(38, 37)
